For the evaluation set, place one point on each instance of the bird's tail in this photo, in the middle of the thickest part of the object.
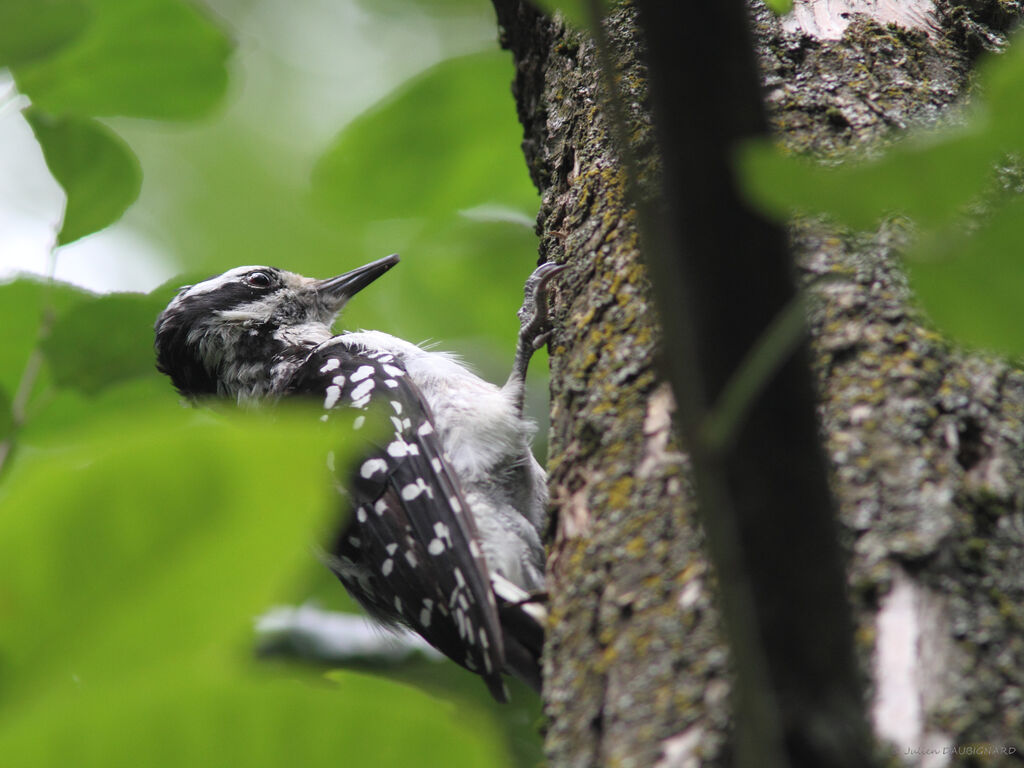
(522, 616)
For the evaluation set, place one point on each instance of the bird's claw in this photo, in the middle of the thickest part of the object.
(533, 315)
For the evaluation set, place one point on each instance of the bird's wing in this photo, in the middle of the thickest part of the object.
(411, 536)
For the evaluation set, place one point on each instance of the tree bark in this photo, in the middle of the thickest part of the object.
(924, 441)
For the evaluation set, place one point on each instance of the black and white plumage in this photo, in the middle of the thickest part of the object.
(446, 515)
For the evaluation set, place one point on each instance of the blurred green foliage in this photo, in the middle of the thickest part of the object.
(780, 7)
(452, 157)
(128, 598)
(140, 538)
(96, 169)
(30, 31)
(141, 58)
(966, 267)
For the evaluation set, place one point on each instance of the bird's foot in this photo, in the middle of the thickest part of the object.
(534, 325)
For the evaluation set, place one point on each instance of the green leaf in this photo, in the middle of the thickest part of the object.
(494, 258)
(971, 285)
(135, 557)
(432, 148)
(140, 58)
(34, 30)
(779, 7)
(99, 173)
(183, 716)
(1001, 82)
(929, 179)
(69, 410)
(104, 341)
(151, 537)
(22, 306)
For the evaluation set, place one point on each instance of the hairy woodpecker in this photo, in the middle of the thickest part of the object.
(443, 534)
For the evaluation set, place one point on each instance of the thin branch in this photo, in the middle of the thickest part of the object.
(34, 364)
(778, 342)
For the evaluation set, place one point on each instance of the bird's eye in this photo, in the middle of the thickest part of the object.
(258, 279)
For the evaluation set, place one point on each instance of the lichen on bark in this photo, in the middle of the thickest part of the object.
(623, 553)
(925, 442)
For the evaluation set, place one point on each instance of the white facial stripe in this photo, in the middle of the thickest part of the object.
(220, 280)
(255, 311)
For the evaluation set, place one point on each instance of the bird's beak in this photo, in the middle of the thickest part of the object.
(335, 291)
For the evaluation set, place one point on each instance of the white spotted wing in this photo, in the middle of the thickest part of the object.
(406, 553)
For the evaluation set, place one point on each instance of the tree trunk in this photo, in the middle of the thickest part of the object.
(924, 441)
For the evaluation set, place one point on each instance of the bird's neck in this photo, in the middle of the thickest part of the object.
(260, 360)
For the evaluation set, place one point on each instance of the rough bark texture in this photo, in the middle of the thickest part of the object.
(925, 441)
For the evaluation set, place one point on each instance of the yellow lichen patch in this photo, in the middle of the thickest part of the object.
(619, 493)
(583, 321)
(865, 636)
(636, 547)
(608, 657)
(690, 572)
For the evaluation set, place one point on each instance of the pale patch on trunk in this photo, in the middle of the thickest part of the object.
(827, 19)
(657, 430)
(911, 651)
(683, 750)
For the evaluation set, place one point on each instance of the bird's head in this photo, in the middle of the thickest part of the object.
(236, 334)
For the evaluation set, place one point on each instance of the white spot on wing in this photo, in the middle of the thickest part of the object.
(358, 423)
(391, 370)
(363, 389)
(412, 490)
(371, 467)
(387, 567)
(333, 393)
(436, 547)
(400, 448)
(362, 372)
(330, 365)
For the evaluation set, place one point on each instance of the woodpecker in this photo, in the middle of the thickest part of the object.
(444, 524)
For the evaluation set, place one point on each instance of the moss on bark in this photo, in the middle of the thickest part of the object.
(925, 441)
